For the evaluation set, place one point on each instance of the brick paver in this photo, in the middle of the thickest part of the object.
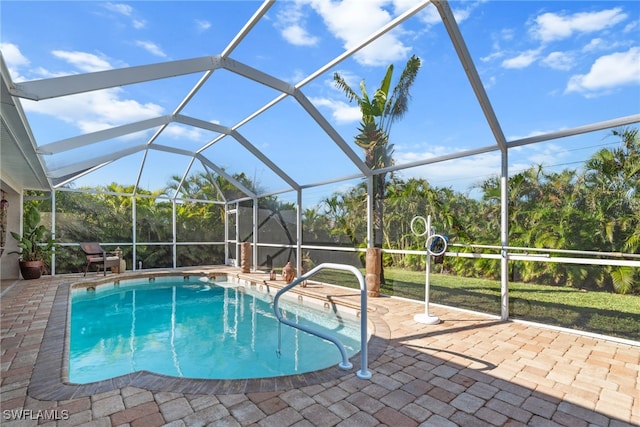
(468, 370)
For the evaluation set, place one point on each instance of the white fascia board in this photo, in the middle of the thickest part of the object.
(226, 176)
(264, 159)
(256, 75)
(331, 132)
(80, 83)
(202, 124)
(28, 169)
(102, 135)
(95, 161)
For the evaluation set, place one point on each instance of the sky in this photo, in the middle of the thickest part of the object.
(546, 66)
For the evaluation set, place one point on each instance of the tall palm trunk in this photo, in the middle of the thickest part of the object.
(379, 185)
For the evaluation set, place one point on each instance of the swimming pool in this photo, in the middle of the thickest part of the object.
(194, 328)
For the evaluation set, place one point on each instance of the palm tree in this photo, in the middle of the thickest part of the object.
(378, 114)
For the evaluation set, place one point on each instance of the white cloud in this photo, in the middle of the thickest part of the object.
(125, 10)
(340, 110)
(608, 72)
(631, 27)
(139, 23)
(83, 61)
(184, 132)
(430, 15)
(559, 61)
(291, 23)
(595, 45)
(202, 25)
(298, 36)
(12, 55)
(14, 59)
(522, 60)
(121, 8)
(93, 111)
(151, 47)
(352, 21)
(552, 26)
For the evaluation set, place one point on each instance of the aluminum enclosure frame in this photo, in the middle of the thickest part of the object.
(36, 157)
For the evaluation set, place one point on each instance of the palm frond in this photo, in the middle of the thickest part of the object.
(342, 85)
(398, 104)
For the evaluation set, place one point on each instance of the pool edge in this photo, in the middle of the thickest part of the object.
(48, 380)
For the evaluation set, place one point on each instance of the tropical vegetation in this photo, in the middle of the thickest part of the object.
(593, 209)
(35, 243)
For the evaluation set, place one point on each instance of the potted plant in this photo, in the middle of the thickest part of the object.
(34, 253)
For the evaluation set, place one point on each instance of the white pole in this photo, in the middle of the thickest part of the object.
(425, 317)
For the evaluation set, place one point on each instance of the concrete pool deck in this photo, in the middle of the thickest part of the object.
(468, 370)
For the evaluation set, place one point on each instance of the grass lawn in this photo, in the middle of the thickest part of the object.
(599, 312)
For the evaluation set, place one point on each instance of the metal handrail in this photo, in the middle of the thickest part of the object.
(363, 373)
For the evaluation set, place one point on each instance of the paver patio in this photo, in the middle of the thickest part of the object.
(470, 370)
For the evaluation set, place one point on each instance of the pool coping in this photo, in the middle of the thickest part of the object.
(50, 371)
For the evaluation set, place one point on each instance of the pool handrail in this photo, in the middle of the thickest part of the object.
(363, 373)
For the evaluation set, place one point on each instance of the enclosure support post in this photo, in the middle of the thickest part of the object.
(173, 232)
(226, 233)
(370, 211)
(237, 238)
(299, 231)
(504, 237)
(255, 234)
(134, 215)
(53, 230)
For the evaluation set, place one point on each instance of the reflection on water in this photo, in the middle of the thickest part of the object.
(197, 329)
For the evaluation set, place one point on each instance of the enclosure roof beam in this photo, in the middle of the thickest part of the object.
(346, 54)
(373, 37)
(102, 135)
(608, 124)
(202, 124)
(95, 161)
(256, 75)
(438, 159)
(226, 176)
(331, 132)
(175, 150)
(79, 83)
(264, 159)
(213, 181)
(244, 31)
(183, 179)
(64, 180)
(470, 69)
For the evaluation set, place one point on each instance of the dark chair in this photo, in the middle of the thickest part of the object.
(96, 255)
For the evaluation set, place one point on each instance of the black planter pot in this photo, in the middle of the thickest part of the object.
(31, 269)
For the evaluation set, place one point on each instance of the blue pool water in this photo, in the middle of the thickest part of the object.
(197, 329)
